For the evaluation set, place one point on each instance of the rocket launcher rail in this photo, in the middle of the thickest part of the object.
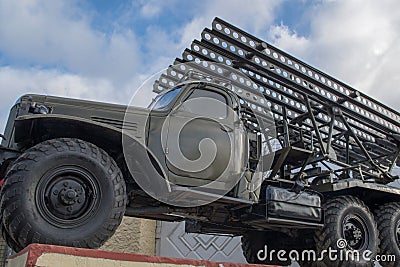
(340, 125)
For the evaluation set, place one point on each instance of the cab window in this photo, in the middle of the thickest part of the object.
(164, 100)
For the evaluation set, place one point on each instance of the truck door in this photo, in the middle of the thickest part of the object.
(203, 140)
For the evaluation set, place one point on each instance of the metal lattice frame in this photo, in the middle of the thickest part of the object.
(339, 124)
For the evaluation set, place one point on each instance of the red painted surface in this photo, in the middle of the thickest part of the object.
(36, 250)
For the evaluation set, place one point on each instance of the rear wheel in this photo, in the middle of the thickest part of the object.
(63, 192)
(388, 220)
(258, 245)
(350, 229)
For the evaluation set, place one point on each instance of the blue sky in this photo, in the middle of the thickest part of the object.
(103, 50)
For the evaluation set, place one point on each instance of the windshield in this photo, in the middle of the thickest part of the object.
(163, 101)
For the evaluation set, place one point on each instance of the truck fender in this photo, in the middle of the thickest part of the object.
(138, 161)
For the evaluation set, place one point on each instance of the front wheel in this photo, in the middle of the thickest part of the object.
(63, 192)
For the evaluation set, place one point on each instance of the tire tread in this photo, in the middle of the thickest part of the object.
(19, 231)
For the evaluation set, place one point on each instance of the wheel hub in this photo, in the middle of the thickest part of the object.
(355, 232)
(68, 196)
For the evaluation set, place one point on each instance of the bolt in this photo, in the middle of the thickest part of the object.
(71, 194)
(55, 192)
(65, 184)
(79, 200)
(69, 209)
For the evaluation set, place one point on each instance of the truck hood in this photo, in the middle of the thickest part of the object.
(115, 115)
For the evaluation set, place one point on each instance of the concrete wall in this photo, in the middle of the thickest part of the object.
(133, 236)
(3, 252)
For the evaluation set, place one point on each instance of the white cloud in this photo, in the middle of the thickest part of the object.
(16, 82)
(287, 39)
(96, 65)
(357, 42)
(164, 46)
(150, 9)
(58, 33)
(254, 16)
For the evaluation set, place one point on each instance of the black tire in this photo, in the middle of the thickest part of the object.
(253, 242)
(6, 237)
(63, 192)
(348, 218)
(10, 242)
(388, 220)
(310, 246)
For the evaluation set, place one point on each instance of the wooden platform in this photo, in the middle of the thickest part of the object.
(57, 256)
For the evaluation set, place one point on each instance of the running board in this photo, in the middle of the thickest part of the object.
(196, 196)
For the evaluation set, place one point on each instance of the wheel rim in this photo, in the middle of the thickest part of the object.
(355, 232)
(68, 196)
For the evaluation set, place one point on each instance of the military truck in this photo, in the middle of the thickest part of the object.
(311, 158)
